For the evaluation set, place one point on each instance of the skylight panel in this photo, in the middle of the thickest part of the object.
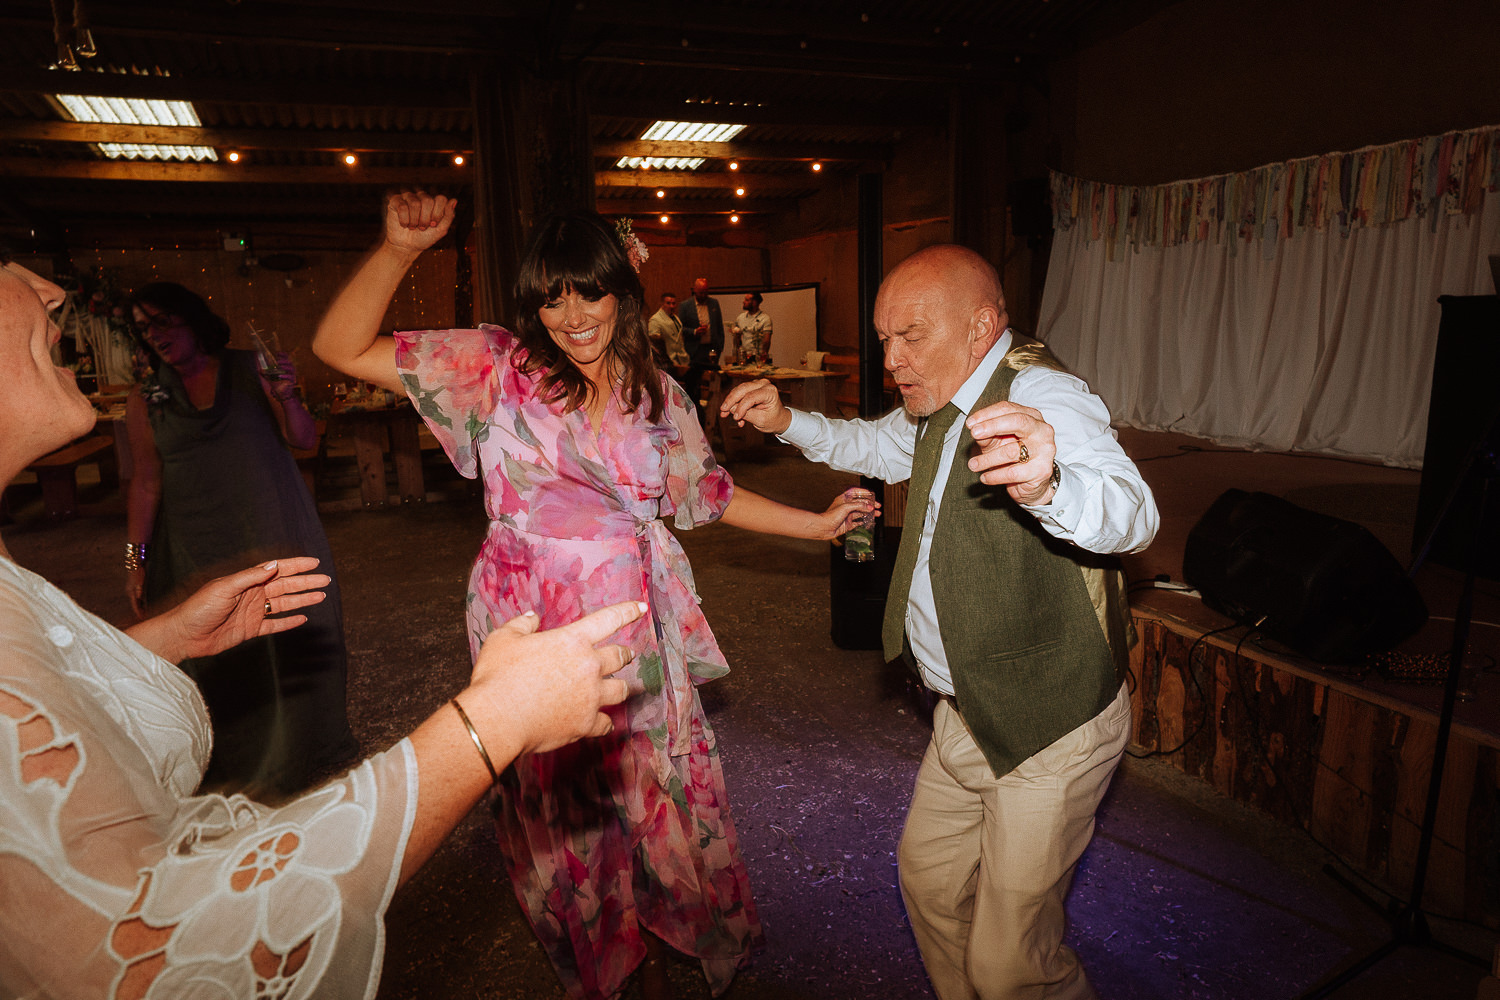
(679, 132)
(137, 111)
(693, 131)
(659, 162)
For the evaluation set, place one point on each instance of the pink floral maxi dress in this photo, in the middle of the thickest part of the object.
(631, 831)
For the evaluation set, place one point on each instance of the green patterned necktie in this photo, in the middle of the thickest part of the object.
(924, 463)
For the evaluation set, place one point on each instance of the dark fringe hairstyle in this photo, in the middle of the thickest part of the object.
(579, 251)
(209, 329)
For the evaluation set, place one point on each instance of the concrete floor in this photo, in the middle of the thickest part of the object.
(1182, 894)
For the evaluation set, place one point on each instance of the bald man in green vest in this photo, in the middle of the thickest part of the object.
(1008, 601)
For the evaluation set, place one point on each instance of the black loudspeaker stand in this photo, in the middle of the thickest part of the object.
(1461, 404)
(1408, 923)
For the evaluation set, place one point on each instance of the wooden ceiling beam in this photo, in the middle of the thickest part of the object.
(218, 208)
(699, 206)
(863, 66)
(680, 23)
(298, 25)
(886, 115)
(828, 152)
(228, 173)
(671, 179)
(236, 138)
(340, 93)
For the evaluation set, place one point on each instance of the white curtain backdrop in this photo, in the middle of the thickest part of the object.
(1321, 340)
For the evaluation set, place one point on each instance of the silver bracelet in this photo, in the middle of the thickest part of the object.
(135, 556)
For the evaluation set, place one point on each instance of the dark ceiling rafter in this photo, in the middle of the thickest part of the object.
(678, 179)
(299, 25)
(290, 82)
(341, 93)
(698, 206)
(829, 114)
(227, 173)
(237, 138)
(826, 152)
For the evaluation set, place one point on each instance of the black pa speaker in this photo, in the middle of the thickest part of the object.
(1325, 587)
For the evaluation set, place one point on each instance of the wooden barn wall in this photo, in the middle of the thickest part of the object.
(1212, 86)
(1352, 773)
(290, 304)
(831, 259)
(674, 268)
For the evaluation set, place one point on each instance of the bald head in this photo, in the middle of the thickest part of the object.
(964, 279)
(938, 314)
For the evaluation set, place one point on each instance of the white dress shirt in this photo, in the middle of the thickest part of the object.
(1102, 504)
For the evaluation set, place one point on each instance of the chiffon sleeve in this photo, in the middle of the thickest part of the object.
(115, 884)
(453, 378)
(697, 486)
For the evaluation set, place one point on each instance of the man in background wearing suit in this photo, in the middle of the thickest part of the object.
(703, 334)
(1007, 600)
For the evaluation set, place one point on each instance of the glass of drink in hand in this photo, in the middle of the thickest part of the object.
(859, 540)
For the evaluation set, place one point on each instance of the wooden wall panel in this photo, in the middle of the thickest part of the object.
(1351, 771)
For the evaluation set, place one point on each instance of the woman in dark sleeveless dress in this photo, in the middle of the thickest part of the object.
(214, 487)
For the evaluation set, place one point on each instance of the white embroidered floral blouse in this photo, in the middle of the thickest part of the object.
(117, 882)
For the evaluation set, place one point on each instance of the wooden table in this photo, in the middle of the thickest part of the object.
(374, 431)
(805, 390)
(56, 472)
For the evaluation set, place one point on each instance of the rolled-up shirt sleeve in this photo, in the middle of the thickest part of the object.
(880, 448)
(1102, 503)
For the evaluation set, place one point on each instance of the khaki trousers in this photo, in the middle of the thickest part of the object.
(986, 862)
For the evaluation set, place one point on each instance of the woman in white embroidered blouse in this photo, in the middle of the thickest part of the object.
(115, 880)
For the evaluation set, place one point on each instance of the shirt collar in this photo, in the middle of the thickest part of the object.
(968, 393)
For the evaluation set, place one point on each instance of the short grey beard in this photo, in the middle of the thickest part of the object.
(918, 412)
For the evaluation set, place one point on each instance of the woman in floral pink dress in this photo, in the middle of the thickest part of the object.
(616, 844)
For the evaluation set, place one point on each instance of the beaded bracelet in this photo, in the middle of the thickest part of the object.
(478, 745)
(135, 556)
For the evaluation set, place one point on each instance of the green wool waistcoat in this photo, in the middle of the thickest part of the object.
(1036, 630)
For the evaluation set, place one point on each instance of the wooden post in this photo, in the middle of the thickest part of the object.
(532, 158)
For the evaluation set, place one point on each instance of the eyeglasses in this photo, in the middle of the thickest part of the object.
(161, 321)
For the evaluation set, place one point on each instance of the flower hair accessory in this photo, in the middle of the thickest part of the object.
(634, 249)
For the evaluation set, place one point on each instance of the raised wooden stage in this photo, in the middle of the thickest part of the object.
(1342, 753)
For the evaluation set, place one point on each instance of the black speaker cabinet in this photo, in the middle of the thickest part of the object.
(1462, 407)
(1325, 587)
(857, 593)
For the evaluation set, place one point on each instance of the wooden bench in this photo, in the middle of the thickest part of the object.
(56, 472)
(846, 395)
